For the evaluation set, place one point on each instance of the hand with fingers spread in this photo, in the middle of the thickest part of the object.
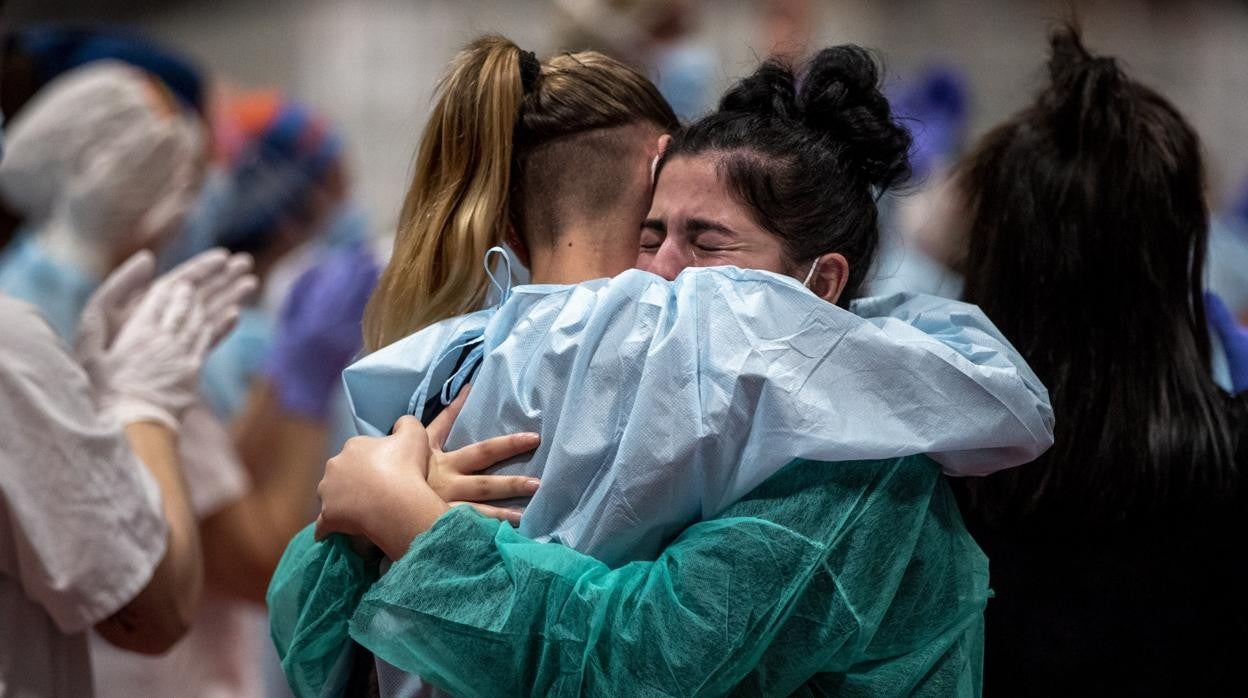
(221, 280)
(456, 478)
(143, 343)
(378, 487)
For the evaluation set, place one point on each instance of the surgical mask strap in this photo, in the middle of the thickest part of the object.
(417, 404)
(455, 383)
(811, 274)
(503, 288)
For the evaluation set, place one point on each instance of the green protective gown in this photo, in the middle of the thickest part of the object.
(312, 595)
(846, 578)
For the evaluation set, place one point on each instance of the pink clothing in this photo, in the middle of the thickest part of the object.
(220, 654)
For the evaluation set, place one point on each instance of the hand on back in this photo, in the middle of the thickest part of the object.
(389, 489)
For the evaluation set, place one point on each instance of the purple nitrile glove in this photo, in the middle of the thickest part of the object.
(319, 330)
(1234, 341)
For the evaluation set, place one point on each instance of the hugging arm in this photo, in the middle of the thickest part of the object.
(793, 581)
(311, 598)
(321, 577)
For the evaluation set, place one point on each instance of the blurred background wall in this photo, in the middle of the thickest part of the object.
(371, 65)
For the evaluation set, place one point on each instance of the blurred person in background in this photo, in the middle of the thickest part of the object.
(657, 36)
(96, 525)
(786, 28)
(101, 164)
(282, 196)
(33, 56)
(1117, 558)
(1228, 256)
(285, 202)
(104, 162)
(920, 243)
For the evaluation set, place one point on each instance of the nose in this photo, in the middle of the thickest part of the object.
(668, 260)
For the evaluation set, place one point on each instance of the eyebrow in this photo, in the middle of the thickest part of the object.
(655, 224)
(702, 225)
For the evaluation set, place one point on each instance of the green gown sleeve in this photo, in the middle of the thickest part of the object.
(311, 597)
(854, 578)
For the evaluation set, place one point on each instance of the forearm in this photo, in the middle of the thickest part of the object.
(284, 483)
(162, 612)
(284, 454)
(311, 599)
(545, 619)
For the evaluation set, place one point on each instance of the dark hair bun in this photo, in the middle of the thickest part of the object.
(839, 99)
(842, 98)
(770, 92)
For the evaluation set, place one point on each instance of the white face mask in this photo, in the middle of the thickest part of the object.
(811, 274)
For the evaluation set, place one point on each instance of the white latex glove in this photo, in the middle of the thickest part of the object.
(221, 280)
(143, 347)
(151, 370)
(109, 305)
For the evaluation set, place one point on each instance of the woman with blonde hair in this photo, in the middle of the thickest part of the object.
(525, 153)
(551, 158)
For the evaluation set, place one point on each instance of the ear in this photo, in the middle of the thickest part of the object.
(664, 141)
(831, 275)
(513, 240)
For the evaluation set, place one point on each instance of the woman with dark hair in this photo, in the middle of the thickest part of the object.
(855, 576)
(1117, 558)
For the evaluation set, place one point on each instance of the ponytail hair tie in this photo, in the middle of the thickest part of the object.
(530, 69)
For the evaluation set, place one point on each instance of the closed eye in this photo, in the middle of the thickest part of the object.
(653, 231)
(715, 240)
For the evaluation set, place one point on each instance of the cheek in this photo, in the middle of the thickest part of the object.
(766, 259)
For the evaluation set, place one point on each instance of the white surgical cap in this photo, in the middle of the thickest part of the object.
(94, 153)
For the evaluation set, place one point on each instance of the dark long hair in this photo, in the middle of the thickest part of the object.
(810, 156)
(1087, 237)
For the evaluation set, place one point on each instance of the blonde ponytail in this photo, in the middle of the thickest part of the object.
(456, 207)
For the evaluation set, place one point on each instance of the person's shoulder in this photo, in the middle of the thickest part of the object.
(18, 314)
